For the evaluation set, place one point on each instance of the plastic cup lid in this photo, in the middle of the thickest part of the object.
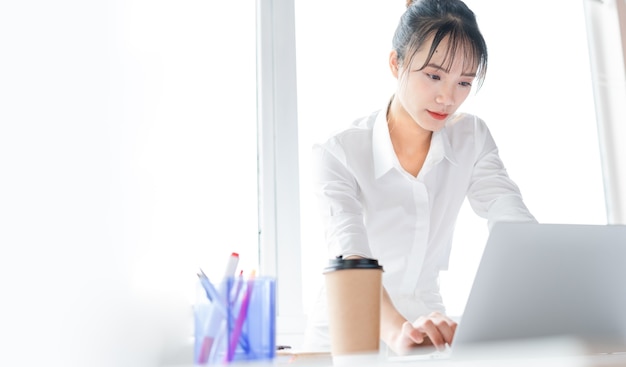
(340, 263)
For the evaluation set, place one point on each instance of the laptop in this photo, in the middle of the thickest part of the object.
(546, 285)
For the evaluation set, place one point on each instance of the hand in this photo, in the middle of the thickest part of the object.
(435, 330)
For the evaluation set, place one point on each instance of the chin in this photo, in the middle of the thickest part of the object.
(433, 127)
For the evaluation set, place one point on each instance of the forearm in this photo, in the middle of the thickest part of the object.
(401, 334)
(391, 320)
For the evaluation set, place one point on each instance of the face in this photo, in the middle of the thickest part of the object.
(430, 95)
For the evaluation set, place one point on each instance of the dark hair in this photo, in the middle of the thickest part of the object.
(441, 19)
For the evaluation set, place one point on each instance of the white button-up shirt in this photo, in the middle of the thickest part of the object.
(372, 207)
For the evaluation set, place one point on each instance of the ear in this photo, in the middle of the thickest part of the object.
(393, 63)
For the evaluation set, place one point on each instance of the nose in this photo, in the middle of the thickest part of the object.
(445, 96)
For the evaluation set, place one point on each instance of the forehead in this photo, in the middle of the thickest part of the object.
(448, 54)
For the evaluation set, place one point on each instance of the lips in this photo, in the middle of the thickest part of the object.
(438, 116)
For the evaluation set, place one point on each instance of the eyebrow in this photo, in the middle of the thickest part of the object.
(439, 67)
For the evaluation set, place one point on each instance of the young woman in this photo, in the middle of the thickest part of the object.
(391, 185)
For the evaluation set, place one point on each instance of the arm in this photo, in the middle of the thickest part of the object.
(435, 330)
(338, 195)
(492, 194)
(392, 325)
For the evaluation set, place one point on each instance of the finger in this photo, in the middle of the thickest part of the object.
(446, 326)
(431, 331)
(447, 331)
(413, 335)
(453, 327)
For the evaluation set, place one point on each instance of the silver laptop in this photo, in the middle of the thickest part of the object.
(546, 282)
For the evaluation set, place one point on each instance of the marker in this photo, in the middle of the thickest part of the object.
(214, 319)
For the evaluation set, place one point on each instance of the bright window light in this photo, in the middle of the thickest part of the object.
(537, 101)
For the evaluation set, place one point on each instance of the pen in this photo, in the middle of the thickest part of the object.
(241, 318)
(211, 292)
(235, 297)
(235, 293)
(217, 301)
(214, 319)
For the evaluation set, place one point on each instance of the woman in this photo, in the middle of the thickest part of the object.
(390, 186)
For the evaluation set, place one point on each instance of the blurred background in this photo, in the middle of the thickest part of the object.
(129, 154)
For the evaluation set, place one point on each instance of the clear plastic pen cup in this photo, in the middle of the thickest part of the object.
(237, 325)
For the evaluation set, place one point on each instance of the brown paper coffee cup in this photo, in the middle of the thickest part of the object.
(354, 291)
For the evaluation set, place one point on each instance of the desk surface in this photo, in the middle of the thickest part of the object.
(598, 361)
(550, 352)
(560, 361)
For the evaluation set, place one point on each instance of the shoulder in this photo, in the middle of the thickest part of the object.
(358, 132)
(465, 126)
(465, 122)
(468, 135)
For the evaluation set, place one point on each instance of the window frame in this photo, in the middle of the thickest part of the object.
(279, 192)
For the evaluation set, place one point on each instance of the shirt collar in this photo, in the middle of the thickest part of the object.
(384, 156)
(440, 146)
(382, 149)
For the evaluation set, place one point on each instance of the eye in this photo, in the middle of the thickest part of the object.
(433, 76)
(465, 84)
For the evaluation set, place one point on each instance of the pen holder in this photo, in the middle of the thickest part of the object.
(237, 322)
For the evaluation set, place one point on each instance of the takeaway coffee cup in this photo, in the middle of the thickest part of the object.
(354, 291)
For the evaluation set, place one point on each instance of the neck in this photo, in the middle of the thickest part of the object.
(406, 134)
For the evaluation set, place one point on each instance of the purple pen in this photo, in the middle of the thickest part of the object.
(241, 318)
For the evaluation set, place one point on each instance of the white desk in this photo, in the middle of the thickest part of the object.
(598, 361)
(559, 352)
